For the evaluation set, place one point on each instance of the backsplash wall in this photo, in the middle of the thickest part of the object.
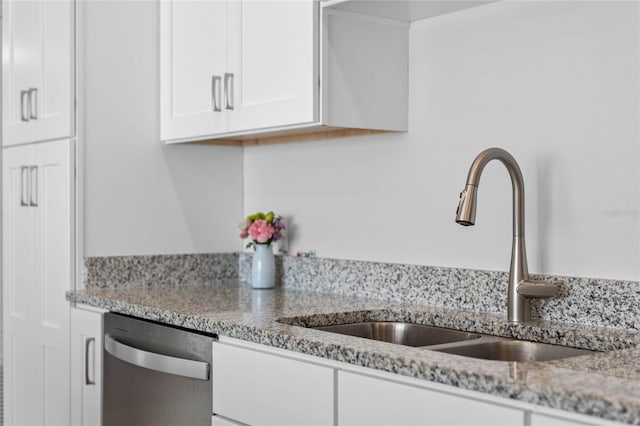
(554, 83)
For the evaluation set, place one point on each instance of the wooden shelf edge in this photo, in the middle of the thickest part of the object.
(291, 136)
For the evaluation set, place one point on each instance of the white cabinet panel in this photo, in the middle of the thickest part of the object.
(262, 389)
(18, 288)
(19, 67)
(37, 272)
(273, 60)
(193, 62)
(545, 420)
(370, 401)
(86, 365)
(55, 83)
(38, 70)
(19, 378)
(18, 234)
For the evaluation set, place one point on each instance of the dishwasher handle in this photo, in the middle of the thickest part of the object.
(153, 361)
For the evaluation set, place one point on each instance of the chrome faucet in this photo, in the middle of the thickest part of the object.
(521, 289)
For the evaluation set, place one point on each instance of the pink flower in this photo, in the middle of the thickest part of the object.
(261, 231)
(244, 233)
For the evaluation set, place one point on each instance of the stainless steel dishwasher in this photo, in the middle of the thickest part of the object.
(155, 374)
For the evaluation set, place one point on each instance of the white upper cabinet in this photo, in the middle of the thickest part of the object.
(38, 64)
(272, 64)
(252, 70)
(234, 66)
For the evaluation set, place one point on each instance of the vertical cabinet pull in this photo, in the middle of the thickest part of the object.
(87, 377)
(24, 105)
(215, 93)
(33, 177)
(24, 186)
(33, 103)
(228, 90)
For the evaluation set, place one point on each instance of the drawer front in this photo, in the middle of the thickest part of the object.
(364, 400)
(262, 389)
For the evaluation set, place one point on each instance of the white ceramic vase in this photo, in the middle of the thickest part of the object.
(263, 267)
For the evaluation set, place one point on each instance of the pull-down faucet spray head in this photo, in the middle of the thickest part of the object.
(466, 213)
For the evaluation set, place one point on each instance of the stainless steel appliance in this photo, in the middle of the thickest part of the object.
(155, 374)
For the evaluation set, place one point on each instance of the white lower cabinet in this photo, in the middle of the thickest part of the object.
(258, 388)
(37, 264)
(371, 401)
(260, 385)
(545, 420)
(86, 367)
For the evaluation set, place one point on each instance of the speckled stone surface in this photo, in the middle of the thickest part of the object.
(177, 269)
(605, 303)
(605, 385)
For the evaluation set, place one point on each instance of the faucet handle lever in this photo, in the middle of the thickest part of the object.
(537, 289)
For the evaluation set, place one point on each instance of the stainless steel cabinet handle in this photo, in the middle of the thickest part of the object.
(24, 113)
(33, 176)
(33, 103)
(24, 186)
(87, 342)
(228, 90)
(215, 92)
(163, 363)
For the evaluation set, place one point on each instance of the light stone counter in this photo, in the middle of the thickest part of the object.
(605, 385)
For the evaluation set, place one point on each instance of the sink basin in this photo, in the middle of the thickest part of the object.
(514, 350)
(401, 333)
(474, 345)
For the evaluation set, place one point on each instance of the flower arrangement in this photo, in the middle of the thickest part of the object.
(262, 228)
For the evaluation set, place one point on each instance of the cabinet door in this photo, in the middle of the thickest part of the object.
(193, 40)
(256, 388)
(545, 420)
(17, 285)
(37, 272)
(51, 201)
(19, 65)
(52, 101)
(371, 401)
(272, 76)
(86, 364)
(38, 64)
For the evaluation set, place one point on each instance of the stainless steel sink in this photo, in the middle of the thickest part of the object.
(456, 342)
(514, 350)
(401, 333)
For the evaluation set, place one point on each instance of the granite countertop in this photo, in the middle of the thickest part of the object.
(605, 384)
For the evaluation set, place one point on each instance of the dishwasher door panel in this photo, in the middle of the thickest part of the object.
(135, 395)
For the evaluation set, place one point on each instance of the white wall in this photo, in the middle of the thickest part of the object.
(554, 83)
(141, 196)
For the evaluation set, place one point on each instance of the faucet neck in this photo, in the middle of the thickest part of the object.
(517, 182)
(518, 308)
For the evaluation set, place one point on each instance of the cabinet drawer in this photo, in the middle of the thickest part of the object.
(545, 420)
(370, 401)
(263, 389)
